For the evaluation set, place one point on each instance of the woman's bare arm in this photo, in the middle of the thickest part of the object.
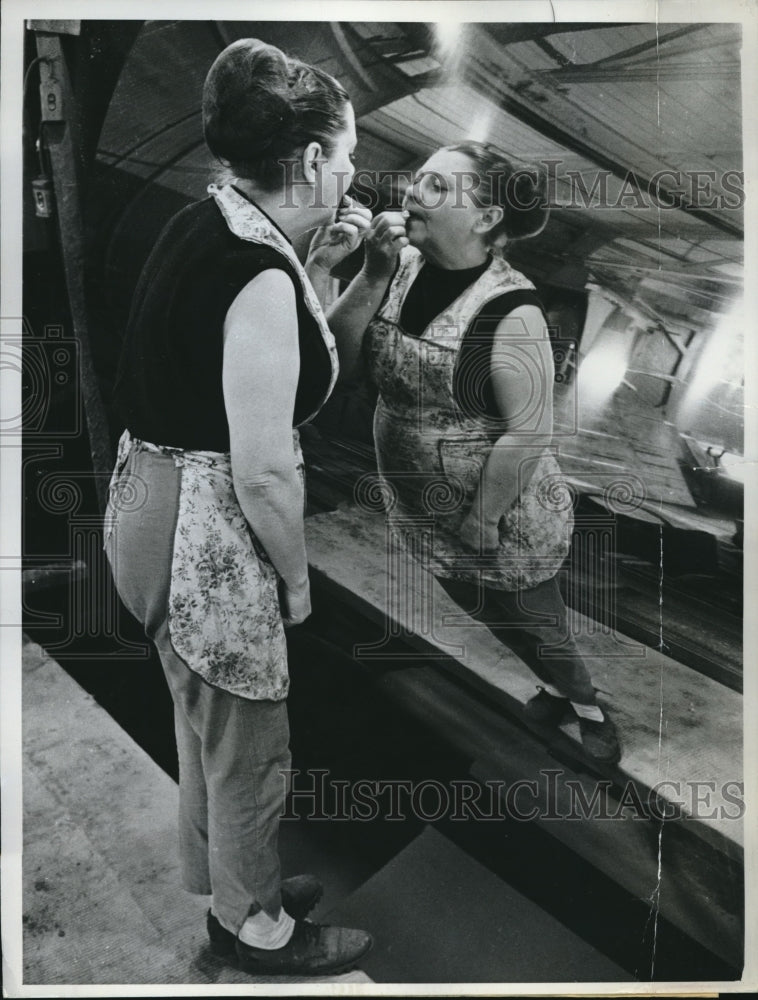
(522, 373)
(260, 375)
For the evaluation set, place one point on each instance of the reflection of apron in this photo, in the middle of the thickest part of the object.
(223, 605)
(431, 455)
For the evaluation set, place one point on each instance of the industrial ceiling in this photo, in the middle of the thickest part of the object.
(639, 123)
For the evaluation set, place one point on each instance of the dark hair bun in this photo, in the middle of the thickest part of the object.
(246, 100)
(261, 106)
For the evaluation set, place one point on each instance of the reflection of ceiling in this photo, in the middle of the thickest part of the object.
(645, 96)
(628, 232)
(614, 106)
(627, 100)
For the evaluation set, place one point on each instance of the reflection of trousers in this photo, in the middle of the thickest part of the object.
(231, 750)
(534, 624)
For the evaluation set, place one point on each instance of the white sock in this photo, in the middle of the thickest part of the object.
(592, 712)
(262, 931)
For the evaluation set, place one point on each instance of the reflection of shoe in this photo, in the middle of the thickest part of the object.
(600, 740)
(546, 709)
(299, 895)
(312, 949)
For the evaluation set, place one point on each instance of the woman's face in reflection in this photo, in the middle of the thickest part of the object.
(442, 206)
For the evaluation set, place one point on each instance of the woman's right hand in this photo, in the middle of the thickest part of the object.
(384, 241)
(294, 602)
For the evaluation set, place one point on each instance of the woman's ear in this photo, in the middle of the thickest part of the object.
(489, 218)
(313, 157)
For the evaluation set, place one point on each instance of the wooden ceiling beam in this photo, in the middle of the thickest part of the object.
(654, 73)
(652, 43)
(570, 140)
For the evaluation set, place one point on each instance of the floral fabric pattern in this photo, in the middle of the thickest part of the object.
(431, 455)
(223, 606)
(224, 617)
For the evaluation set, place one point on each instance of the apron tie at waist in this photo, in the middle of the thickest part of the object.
(218, 460)
(224, 619)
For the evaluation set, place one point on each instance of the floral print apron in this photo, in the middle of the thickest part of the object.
(223, 607)
(431, 454)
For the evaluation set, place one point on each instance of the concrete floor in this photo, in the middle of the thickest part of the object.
(438, 915)
(101, 897)
(101, 903)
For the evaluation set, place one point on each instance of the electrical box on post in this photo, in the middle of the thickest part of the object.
(44, 197)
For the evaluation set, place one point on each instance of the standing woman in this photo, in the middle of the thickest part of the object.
(459, 353)
(227, 351)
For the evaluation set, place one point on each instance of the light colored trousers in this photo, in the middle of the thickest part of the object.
(232, 751)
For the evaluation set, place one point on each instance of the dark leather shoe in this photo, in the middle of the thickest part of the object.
(600, 740)
(546, 709)
(313, 949)
(222, 940)
(299, 895)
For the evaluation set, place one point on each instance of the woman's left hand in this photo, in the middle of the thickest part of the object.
(332, 243)
(478, 535)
